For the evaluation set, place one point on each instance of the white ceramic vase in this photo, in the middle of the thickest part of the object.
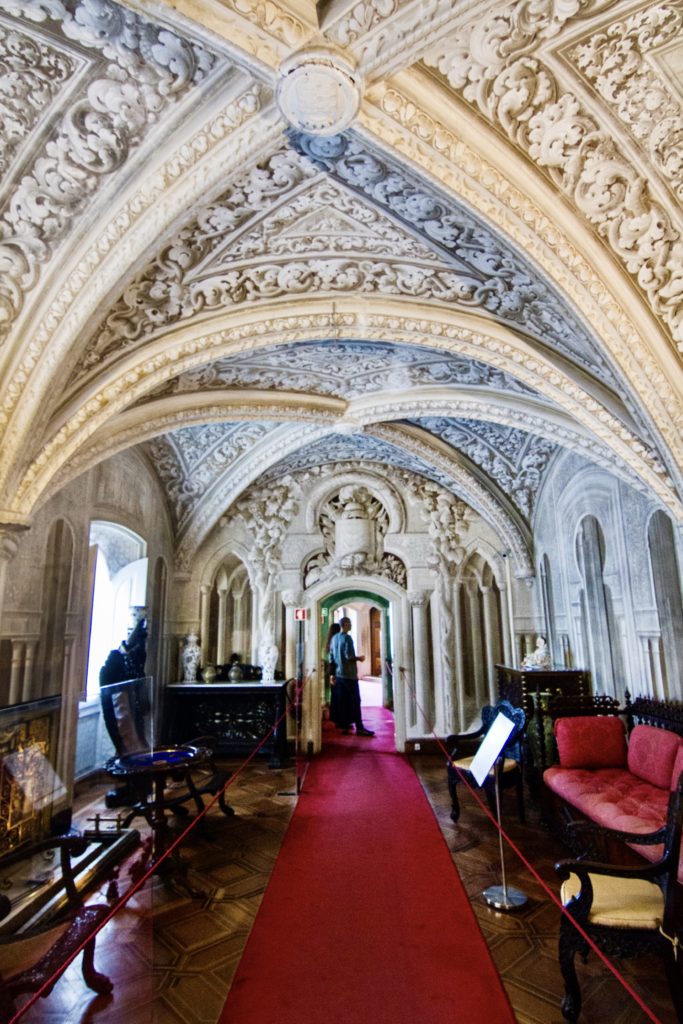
(269, 653)
(192, 652)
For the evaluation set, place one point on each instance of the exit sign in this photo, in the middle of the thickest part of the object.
(300, 614)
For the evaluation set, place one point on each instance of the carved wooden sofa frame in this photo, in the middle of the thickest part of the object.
(42, 952)
(601, 843)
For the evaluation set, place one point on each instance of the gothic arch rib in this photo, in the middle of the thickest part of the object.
(381, 319)
(63, 313)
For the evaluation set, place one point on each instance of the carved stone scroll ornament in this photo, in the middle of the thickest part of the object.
(495, 278)
(38, 71)
(344, 369)
(138, 70)
(515, 459)
(161, 294)
(490, 65)
(267, 513)
(190, 460)
(352, 524)
(617, 62)
(447, 518)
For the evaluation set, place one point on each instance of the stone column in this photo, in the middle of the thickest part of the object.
(220, 643)
(459, 724)
(237, 639)
(508, 652)
(658, 684)
(477, 667)
(15, 680)
(488, 596)
(511, 647)
(26, 692)
(418, 603)
(204, 595)
(9, 546)
(292, 600)
(256, 612)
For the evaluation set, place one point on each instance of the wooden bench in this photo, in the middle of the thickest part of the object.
(46, 922)
(622, 787)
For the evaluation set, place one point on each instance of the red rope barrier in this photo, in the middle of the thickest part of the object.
(513, 846)
(137, 885)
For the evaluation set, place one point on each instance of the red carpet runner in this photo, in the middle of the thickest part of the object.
(365, 920)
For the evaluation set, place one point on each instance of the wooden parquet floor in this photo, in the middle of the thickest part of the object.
(172, 958)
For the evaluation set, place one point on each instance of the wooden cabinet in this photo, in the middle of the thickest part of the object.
(523, 687)
(239, 715)
(519, 684)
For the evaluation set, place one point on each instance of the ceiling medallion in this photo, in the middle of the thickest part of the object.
(319, 91)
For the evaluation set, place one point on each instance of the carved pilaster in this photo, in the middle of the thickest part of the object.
(423, 683)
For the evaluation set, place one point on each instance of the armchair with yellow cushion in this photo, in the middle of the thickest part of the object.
(625, 911)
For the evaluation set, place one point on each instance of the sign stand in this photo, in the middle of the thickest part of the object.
(500, 897)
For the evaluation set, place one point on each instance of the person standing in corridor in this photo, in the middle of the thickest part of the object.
(343, 654)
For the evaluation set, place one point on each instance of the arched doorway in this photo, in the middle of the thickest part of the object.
(371, 612)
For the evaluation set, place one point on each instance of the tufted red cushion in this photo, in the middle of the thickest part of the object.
(651, 754)
(614, 798)
(591, 742)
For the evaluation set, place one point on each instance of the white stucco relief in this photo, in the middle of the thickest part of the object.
(137, 71)
(489, 64)
(168, 358)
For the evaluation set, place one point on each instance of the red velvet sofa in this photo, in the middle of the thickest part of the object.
(616, 783)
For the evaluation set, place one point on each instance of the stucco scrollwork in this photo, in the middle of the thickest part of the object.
(267, 513)
(405, 125)
(506, 287)
(142, 68)
(345, 369)
(161, 294)
(190, 460)
(37, 70)
(615, 62)
(522, 96)
(514, 458)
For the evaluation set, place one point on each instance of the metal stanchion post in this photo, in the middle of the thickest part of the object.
(502, 897)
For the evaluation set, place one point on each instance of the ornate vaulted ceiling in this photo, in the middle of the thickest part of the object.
(482, 268)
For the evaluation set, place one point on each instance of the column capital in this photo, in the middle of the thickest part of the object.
(418, 598)
(292, 598)
(10, 534)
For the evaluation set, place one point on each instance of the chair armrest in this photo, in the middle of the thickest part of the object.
(73, 843)
(642, 838)
(463, 744)
(583, 868)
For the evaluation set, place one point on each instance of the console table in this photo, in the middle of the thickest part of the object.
(523, 688)
(519, 684)
(238, 715)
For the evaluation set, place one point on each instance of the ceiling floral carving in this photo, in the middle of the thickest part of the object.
(137, 71)
(160, 295)
(495, 279)
(336, 450)
(515, 459)
(329, 239)
(189, 461)
(38, 70)
(490, 64)
(342, 369)
(620, 63)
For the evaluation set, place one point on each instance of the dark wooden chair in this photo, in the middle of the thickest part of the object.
(509, 767)
(625, 911)
(36, 954)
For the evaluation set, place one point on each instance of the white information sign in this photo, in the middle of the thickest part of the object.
(490, 747)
